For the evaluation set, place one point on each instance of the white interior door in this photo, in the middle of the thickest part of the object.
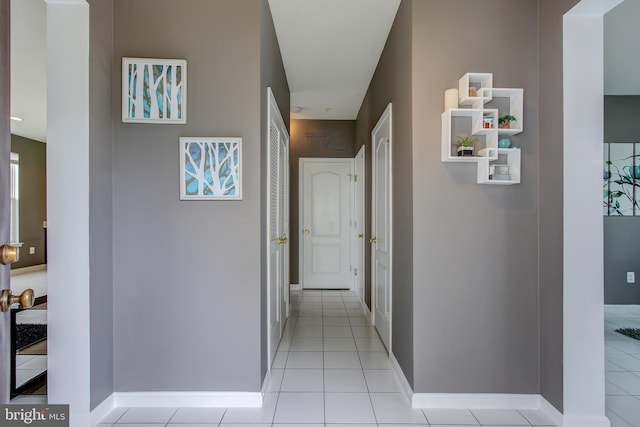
(358, 224)
(278, 220)
(325, 212)
(381, 227)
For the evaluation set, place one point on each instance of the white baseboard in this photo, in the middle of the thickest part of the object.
(163, 399)
(366, 310)
(24, 270)
(295, 287)
(495, 401)
(406, 387)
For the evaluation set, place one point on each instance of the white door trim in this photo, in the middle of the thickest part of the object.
(387, 114)
(583, 296)
(359, 180)
(301, 162)
(69, 367)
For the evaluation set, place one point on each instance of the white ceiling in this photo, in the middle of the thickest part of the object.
(28, 68)
(330, 50)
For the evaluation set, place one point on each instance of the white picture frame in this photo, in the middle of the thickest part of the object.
(142, 78)
(210, 168)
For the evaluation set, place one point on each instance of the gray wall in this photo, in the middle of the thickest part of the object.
(187, 275)
(475, 247)
(100, 202)
(551, 197)
(621, 234)
(272, 75)
(314, 138)
(392, 83)
(33, 198)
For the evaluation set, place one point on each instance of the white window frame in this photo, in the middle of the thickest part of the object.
(15, 198)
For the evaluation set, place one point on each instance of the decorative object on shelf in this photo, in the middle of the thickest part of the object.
(210, 168)
(504, 143)
(505, 121)
(621, 179)
(481, 114)
(154, 91)
(465, 144)
(450, 99)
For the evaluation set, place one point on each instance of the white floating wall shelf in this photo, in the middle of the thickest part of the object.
(480, 108)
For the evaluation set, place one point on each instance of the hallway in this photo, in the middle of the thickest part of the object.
(331, 368)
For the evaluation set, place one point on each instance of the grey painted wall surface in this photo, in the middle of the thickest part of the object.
(33, 198)
(621, 237)
(622, 118)
(187, 275)
(392, 83)
(314, 138)
(272, 75)
(551, 197)
(621, 234)
(101, 195)
(475, 247)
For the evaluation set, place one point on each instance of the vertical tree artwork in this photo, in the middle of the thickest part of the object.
(210, 168)
(154, 90)
(621, 179)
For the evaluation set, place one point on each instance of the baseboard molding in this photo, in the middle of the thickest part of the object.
(103, 409)
(25, 270)
(295, 287)
(366, 310)
(495, 401)
(265, 382)
(406, 387)
(163, 399)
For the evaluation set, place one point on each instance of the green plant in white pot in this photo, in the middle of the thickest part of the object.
(465, 144)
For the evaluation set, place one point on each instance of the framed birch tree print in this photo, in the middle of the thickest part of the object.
(154, 90)
(210, 168)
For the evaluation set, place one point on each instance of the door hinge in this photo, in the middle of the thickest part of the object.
(355, 178)
(355, 271)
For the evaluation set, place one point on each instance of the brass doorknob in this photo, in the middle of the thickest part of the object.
(360, 236)
(25, 299)
(373, 240)
(9, 254)
(306, 231)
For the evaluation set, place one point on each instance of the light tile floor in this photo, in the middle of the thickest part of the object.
(622, 366)
(331, 369)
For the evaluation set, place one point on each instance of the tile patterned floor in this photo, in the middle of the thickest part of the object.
(622, 366)
(331, 369)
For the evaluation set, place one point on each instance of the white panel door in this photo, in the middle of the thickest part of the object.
(5, 199)
(325, 212)
(278, 222)
(358, 224)
(381, 227)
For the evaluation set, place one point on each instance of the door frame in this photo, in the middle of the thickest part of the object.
(359, 180)
(273, 113)
(387, 113)
(301, 197)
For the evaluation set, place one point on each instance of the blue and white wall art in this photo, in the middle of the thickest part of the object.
(154, 91)
(210, 168)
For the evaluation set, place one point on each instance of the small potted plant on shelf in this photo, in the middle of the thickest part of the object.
(465, 144)
(505, 121)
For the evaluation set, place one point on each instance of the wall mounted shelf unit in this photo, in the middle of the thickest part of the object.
(481, 106)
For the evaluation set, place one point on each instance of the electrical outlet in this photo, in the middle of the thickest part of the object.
(631, 277)
(32, 250)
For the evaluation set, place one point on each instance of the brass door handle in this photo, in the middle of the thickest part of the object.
(25, 299)
(360, 235)
(306, 231)
(283, 240)
(373, 240)
(9, 254)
